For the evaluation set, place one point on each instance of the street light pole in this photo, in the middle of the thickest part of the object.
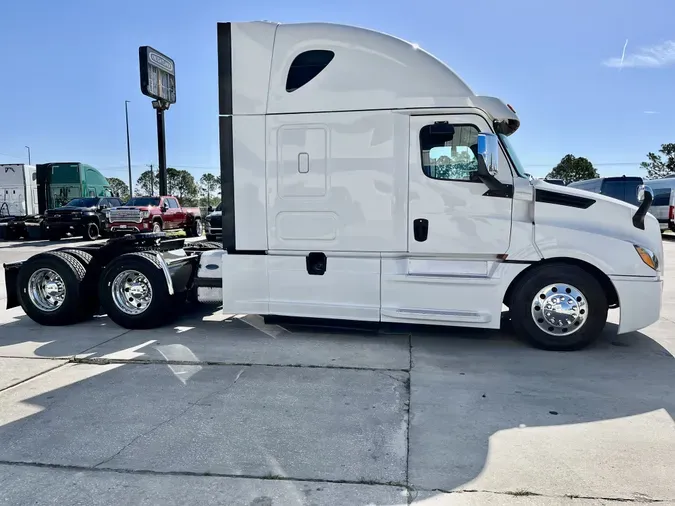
(126, 114)
(28, 148)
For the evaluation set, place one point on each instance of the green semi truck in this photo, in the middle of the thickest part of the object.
(59, 183)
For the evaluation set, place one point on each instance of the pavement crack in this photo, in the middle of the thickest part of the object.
(21, 382)
(150, 472)
(149, 361)
(170, 419)
(528, 493)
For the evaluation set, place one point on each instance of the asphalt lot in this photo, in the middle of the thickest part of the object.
(224, 410)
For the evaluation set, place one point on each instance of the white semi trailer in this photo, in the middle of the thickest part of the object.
(18, 198)
(362, 179)
(18, 190)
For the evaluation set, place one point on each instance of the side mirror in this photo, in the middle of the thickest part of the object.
(488, 151)
(643, 191)
(164, 208)
(645, 196)
(210, 209)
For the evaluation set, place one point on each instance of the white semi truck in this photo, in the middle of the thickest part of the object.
(363, 180)
(18, 199)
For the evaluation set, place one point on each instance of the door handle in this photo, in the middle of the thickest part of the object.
(421, 229)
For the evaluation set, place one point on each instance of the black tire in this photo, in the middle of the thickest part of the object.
(89, 286)
(210, 237)
(71, 271)
(91, 231)
(196, 229)
(157, 226)
(54, 237)
(535, 281)
(161, 305)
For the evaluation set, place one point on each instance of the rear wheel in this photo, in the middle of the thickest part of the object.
(133, 291)
(559, 307)
(50, 288)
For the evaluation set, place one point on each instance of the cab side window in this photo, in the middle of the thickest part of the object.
(449, 152)
(172, 203)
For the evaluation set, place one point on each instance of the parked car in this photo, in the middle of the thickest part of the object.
(214, 224)
(81, 217)
(154, 214)
(620, 187)
(625, 188)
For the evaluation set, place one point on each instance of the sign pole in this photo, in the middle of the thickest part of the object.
(158, 81)
(160, 106)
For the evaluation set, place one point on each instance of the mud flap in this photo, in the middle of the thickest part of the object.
(11, 288)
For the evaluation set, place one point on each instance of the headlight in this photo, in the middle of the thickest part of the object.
(145, 215)
(648, 257)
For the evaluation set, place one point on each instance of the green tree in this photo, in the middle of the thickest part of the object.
(119, 188)
(656, 167)
(571, 169)
(181, 184)
(147, 183)
(209, 185)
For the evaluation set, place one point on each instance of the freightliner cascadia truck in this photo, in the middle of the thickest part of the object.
(363, 180)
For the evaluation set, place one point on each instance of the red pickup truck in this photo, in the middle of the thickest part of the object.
(153, 214)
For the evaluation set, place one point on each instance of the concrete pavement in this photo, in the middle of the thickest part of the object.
(217, 410)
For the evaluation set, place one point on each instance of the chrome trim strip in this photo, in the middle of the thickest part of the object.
(167, 275)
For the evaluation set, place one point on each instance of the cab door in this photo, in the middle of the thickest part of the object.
(451, 211)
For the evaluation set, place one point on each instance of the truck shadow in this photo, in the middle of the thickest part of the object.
(466, 387)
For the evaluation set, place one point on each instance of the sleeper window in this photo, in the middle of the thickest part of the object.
(449, 152)
(306, 66)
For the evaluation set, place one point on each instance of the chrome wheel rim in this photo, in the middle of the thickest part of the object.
(559, 309)
(46, 290)
(131, 292)
(199, 228)
(156, 227)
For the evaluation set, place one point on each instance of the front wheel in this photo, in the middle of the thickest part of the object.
(196, 229)
(156, 227)
(559, 307)
(91, 232)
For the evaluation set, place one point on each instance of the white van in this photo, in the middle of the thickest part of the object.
(664, 202)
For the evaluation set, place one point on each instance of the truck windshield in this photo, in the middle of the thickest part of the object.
(512, 154)
(143, 201)
(82, 203)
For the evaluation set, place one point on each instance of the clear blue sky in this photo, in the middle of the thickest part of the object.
(67, 66)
